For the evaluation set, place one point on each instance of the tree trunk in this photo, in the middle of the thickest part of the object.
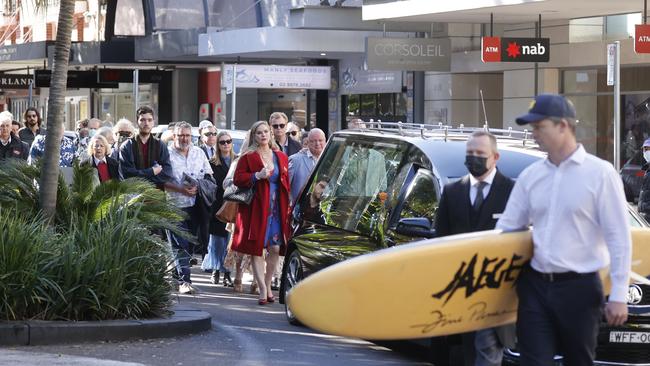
(50, 159)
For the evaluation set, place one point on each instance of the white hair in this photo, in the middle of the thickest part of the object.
(6, 116)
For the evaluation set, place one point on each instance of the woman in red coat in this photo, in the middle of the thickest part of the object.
(264, 223)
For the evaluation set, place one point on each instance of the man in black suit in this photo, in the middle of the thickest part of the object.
(474, 203)
(278, 122)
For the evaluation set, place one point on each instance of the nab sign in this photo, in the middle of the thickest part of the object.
(495, 49)
(642, 38)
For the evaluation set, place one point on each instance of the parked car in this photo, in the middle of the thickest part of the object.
(379, 187)
(625, 345)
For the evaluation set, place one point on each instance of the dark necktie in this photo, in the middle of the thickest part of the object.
(478, 201)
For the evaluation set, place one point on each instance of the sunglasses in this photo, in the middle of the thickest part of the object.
(293, 133)
(124, 133)
(279, 126)
(225, 142)
(208, 134)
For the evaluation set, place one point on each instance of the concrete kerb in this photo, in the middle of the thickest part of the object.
(184, 321)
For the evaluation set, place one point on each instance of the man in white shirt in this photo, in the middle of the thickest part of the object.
(189, 164)
(302, 163)
(576, 205)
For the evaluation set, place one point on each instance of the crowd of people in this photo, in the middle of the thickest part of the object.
(275, 162)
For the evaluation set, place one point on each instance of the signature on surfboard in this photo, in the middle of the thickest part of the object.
(477, 312)
(491, 274)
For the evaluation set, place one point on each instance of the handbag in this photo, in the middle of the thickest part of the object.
(227, 212)
(239, 195)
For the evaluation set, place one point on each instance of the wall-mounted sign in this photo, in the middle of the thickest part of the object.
(76, 79)
(355, 78)
(279, 77)
(496, 49)
(15, 81)
(642, 38)
(411, 54)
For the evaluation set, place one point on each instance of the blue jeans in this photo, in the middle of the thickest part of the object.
(217, 250)
(181, 248)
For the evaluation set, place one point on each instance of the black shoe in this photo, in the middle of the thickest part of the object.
(193, 262)
(227, 281)
(215, 277)
(274, 284)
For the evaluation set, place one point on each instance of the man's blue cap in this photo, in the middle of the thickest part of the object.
(545, 106)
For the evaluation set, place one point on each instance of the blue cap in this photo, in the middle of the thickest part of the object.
(545, 106)
(646, 143)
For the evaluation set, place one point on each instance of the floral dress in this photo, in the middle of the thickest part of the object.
(273, 223)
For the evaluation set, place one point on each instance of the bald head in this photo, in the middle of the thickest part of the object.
(316, 141)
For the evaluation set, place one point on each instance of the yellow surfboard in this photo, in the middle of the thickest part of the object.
(433, 287)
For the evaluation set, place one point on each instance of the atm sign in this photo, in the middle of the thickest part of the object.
(495, 49)
(642, 38)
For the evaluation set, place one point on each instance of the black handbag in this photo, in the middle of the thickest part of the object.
(239, 195)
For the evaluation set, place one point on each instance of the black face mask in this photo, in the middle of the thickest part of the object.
(476, 165)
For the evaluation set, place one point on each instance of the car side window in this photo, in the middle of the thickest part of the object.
(421, 199)
(353, 185)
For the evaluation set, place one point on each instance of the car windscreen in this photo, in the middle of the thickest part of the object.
(353, 184)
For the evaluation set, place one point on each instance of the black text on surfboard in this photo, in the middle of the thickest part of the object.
(492, 274)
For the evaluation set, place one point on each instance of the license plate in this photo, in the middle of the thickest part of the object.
(629, 337)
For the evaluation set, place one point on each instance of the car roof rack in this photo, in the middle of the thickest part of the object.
(446, 131)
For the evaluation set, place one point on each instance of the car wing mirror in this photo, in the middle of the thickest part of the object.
(416, 227)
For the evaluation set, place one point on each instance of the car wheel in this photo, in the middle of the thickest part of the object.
(292, 275)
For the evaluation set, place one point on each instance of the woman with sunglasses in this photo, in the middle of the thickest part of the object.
(263, 225)
(218, 244)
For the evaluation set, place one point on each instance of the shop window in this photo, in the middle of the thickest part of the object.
(129, 18)
(174, 14)
(232, 13)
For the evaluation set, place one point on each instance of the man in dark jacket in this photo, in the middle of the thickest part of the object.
(32, 127)
(10, 144)
(474, 203)
(145, 156)
(644, 196)
(278, 122)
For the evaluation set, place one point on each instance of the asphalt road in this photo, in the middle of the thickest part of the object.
(243, 333)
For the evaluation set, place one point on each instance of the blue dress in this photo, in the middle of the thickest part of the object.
(273, 223)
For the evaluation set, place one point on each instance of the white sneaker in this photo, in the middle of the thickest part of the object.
(186, 289)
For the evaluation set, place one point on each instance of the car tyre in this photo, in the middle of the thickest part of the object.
(293, 273)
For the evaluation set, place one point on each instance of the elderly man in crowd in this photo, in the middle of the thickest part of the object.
(189, 164)
(302, 163)
(10, 144)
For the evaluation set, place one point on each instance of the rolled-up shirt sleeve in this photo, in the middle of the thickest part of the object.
(516, 216)
(613, 219)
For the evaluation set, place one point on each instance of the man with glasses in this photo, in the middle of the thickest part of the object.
(32, 127)
(209, 141)
(278, 122)
(189, 165)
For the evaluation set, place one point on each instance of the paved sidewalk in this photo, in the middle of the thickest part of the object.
(12, 357)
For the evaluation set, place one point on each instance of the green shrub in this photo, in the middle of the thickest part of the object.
(97, 260)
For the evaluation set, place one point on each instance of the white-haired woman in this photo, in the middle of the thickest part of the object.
(98, 151)
(264, 223)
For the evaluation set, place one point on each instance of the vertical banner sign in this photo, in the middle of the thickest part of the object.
(496, 49)
(611, 63)
(642, 38)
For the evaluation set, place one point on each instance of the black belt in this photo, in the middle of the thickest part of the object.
(559, 276)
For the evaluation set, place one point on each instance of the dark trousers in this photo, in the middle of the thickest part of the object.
(181, 247)
(558, 317)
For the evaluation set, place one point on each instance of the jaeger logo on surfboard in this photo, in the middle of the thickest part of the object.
(473, 276)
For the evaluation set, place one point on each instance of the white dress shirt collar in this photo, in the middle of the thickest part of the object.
(473, 181)
(97, 161)
(7, 142)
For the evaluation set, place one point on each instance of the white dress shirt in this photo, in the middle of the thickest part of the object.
(579, 217)
(97, 161)
(195, 165)
(473, 185)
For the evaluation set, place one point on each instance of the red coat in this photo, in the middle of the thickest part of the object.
(250, 228)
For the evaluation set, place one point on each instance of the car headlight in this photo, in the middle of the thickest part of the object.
(634, 295)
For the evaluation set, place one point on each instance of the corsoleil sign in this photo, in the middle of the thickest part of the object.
(496, 49)
(279, 77)
(412, 54)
